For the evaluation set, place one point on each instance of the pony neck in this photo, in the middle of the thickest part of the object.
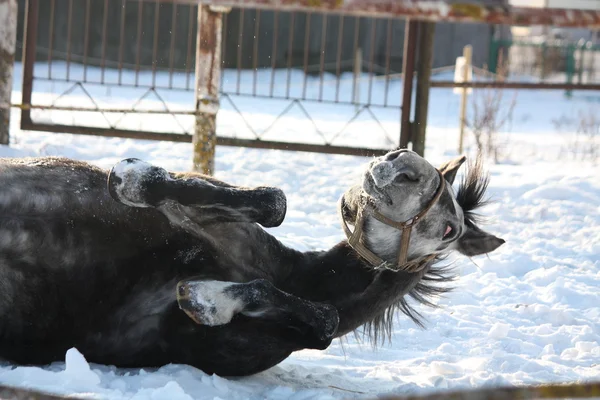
(342, 278)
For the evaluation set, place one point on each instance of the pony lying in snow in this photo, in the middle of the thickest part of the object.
(139, 267)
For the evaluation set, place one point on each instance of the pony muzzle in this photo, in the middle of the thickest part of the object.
(356, 241)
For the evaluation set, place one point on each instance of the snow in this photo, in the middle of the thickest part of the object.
(527, 314)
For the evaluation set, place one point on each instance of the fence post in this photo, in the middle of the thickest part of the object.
(590, 70)
(570, 66)
(28, 59)
(426, 35)
(467, 54)
(408, 68)
(208, 78)
(8, 41)
(582, 44)
(543, 61)
(493, 57)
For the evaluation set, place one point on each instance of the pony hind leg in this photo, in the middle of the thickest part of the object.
(138, 184)
(215, 303)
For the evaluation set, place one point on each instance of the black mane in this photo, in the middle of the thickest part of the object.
(471, 191)
(470, 196)
(430, 286)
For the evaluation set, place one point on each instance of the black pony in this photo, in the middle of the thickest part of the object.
(138, 267)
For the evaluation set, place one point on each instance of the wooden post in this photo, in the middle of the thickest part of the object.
(8, 41)
(426, 34)
(208, 78)
(28, 59)
(408, 68)
(467, 54)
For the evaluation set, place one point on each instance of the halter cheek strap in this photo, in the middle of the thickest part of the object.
(355, 239)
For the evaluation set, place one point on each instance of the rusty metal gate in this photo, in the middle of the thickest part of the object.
(117, 77)
(127, 90)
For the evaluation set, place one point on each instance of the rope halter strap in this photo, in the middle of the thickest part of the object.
(355, 239)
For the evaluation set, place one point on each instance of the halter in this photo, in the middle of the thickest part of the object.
(356, 242)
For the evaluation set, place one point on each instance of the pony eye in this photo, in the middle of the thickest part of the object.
(449, 232)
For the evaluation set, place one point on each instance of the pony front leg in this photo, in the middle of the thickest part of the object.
(138, 184)
(216, 303)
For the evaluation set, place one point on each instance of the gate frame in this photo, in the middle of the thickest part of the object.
(208, 66)
(207, 83)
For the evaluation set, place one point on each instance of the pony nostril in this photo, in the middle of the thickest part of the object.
(395, 154)
(408, 175)
(392, 156)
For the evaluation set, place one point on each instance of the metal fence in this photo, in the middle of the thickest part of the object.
(548, 60)
(117, 78)
(89, 77)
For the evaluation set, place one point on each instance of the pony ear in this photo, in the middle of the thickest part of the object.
(476, 241)
(450, 168)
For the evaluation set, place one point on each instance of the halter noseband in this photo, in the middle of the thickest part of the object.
(356, 242)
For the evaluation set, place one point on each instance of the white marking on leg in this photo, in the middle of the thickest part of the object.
(211, 304)
(132, 173)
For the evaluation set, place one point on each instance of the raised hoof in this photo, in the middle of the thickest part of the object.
(325, 326)
(130, 182)
(272, 205)
(319, 329)
(205, 303)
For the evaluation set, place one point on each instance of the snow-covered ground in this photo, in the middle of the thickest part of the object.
(529, 313)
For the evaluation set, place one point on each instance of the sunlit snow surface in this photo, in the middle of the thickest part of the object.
(528, 313)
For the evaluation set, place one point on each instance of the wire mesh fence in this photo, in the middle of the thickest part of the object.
(144, 51)
(544, 60)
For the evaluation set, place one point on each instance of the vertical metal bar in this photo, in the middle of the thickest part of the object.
(581, 62)
(172, 44)
(51, 38)
(30, 39)
(188, 57)
(388, 55)
(8, 45)
(104, 30)
(122, 39)
(371, 57)
(289, 55)
(239, 50)
(255, 51)
(306, 43)
(408, 68)
(338, 58)
(357, 71)
(570, 72)
(86, 38)
(274, 51)
(590, 67)
(69, 32)
(355, 50)
(208, 74)
(426, 36)
(155, 41)
(493, 56)
(322, 56)
(543, 60)
(138, 50)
